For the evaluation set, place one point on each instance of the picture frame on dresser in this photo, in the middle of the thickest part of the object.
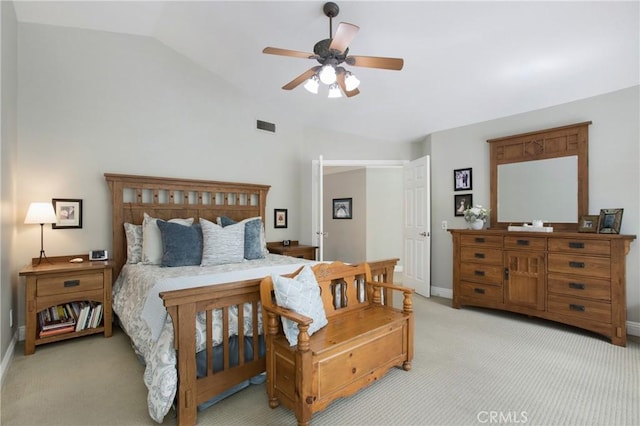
(68, 213)
(589, 223)
(610, 221)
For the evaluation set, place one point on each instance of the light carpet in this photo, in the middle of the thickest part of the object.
(471, 367)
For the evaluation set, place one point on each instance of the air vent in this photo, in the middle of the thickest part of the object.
(266, 126)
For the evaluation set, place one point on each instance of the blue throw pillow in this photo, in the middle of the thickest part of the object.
(181, 245)
(252, 236)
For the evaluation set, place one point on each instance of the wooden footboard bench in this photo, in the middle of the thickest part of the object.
(365, 337)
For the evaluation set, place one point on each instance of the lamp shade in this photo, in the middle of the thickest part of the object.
(40, 213)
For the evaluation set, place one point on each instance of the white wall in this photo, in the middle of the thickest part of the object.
(93, 102)
(614, 177)
(8, 156)
(385, 213)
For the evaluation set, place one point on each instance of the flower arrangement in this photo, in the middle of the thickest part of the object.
(476, 213)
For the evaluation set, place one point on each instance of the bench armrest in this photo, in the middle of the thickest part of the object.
(391, 286)
(289, 314)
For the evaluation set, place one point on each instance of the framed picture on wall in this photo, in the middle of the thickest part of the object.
(461, 202)
(462, 180)
(68, 213)
(279, 218)
(342, 208)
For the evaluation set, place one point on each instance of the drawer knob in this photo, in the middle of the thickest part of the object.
(576, 245)
(573, 264)
(72, 283)
(479, 273)
(577, 286)
(479, 290)
(523, 242)
(478, 255)
(577, 308)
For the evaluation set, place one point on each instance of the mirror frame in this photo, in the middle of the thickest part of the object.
(540, 145)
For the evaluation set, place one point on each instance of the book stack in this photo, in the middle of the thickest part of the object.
(70, 317)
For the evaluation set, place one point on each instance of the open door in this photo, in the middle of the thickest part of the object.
(417, 226)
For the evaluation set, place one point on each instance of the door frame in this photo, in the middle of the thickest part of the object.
(316, 188)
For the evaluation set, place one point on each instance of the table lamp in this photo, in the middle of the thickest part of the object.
(41, 213)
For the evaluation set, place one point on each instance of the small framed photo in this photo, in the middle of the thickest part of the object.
(461, 202)
(589, 223)
(342, 208)
(68, 213)
(610, 221)
(280, 218)
(462, 180)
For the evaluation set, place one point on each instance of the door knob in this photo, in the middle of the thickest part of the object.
(423, 234)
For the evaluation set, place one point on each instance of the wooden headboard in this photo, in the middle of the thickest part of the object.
(166, 198)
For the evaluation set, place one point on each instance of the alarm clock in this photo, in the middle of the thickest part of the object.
(286, 243)
(98, 255)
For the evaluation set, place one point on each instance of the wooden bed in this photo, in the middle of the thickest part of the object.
(165, 198)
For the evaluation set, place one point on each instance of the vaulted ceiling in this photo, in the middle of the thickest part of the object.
(464, 62)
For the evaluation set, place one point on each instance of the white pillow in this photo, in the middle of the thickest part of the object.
(301, 294)
(152, 239)
(221, 245)
(134, 242)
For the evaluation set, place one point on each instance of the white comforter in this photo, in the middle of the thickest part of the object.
(137, 303)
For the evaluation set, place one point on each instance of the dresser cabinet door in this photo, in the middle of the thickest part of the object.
(525, 279)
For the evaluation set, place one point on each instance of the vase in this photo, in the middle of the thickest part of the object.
(476, 224)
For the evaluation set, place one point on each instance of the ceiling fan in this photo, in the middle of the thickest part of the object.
(331, 53)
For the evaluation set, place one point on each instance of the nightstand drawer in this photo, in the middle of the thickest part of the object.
(69, 283)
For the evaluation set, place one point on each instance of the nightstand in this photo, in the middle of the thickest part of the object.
(293, 249)
(60, 283)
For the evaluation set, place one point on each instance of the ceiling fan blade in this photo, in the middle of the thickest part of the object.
(340, 78)
(287, 52)
(301, 78)
(343, 36)
(395, 64)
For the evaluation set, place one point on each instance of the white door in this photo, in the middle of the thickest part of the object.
(417, 231)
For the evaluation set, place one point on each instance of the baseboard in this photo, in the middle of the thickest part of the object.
(447, 293)
(7, 358)
(633, 328)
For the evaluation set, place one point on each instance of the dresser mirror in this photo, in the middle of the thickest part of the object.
(540, 175)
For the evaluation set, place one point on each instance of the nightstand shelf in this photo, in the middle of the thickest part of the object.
(61, 282)
(293, 249)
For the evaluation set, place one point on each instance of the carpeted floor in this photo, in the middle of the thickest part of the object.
(471, 367)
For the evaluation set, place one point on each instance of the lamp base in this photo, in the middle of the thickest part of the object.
(42, 255)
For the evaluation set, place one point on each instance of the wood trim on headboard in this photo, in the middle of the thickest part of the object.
(166, 198)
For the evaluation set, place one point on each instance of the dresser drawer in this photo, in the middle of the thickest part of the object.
(531, 243)
(69, 283)
(590, 288)
(481, 255)
(581, 246)
(482, 273)
(481, 240)
(480, 292)
(599, 267)
(589, 310)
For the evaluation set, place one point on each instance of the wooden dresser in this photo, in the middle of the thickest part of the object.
(568, 277)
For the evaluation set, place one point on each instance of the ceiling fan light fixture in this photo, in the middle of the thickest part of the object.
(312, 84)
(351, 82)
(328, 74)
(334, 91)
